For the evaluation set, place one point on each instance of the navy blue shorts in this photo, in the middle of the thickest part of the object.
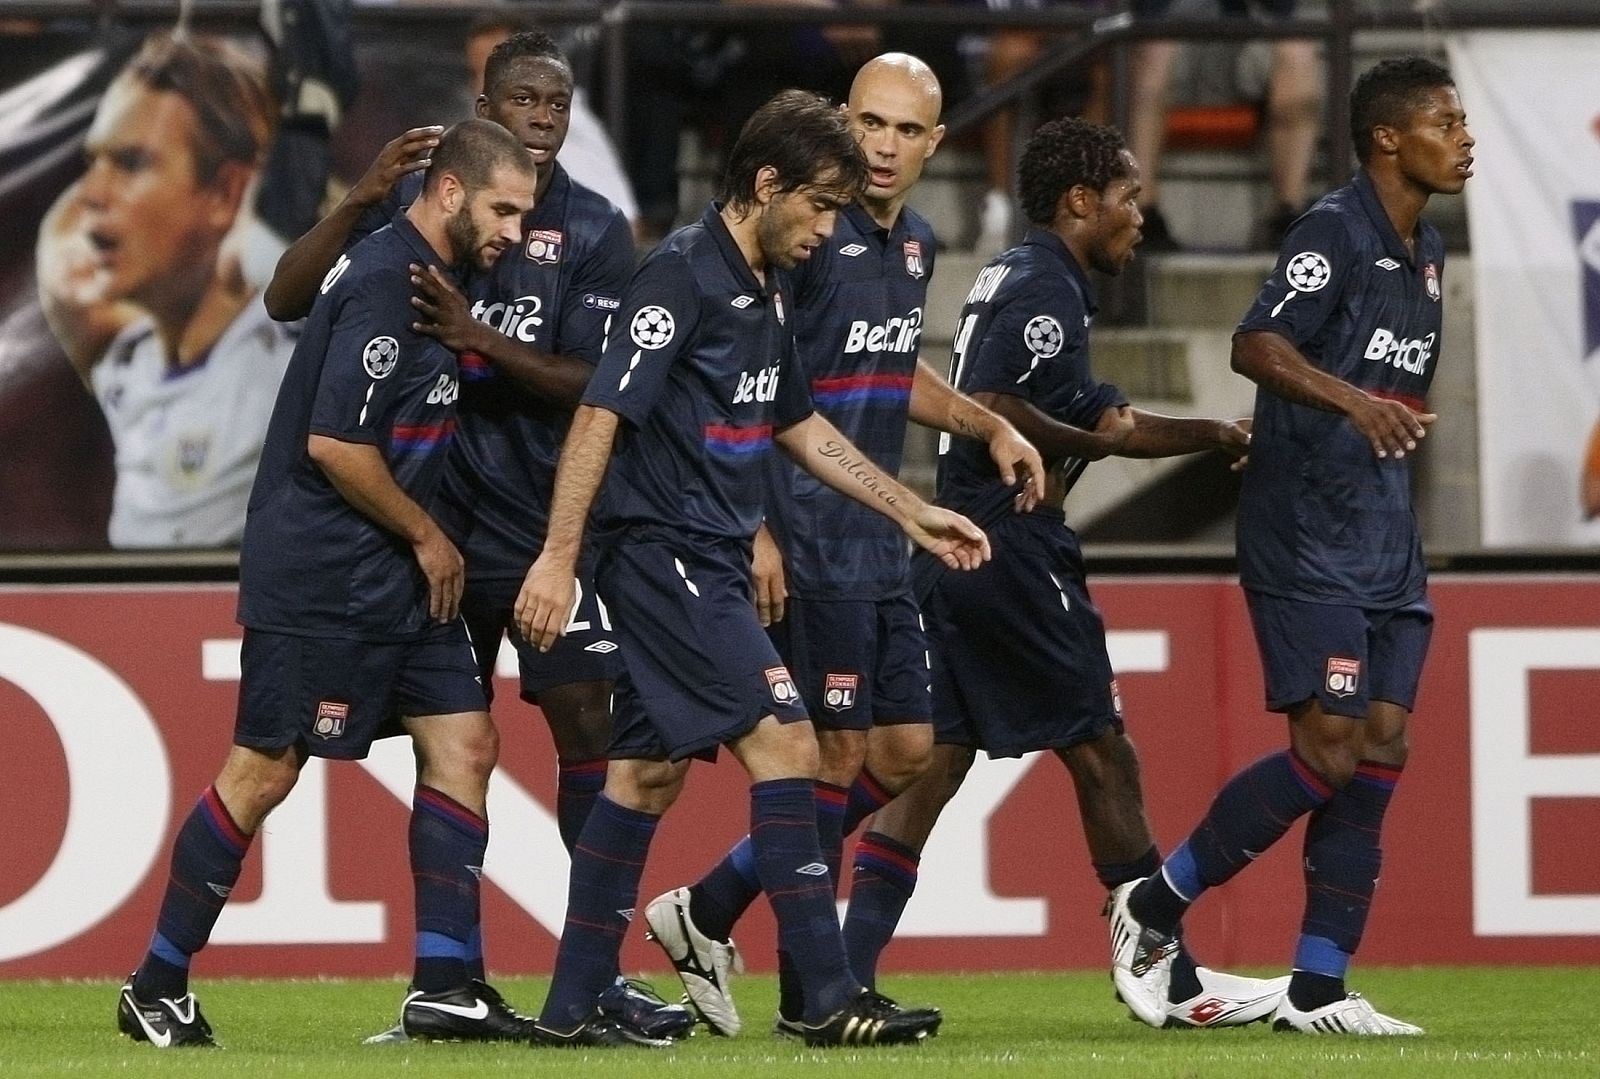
(586, 653)
(337, 696)
(1342, 656)
(1281, 9)
(1019, 650)
(698, 671)
(858, 663)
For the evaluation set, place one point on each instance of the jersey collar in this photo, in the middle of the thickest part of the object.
(552, 209)
(419, 245)
(718, 230)
(1042, 237)
(1392, 244)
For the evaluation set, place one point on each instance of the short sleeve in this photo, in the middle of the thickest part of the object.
(653, 327)
(793, 402)
(361, 371)
(595, 294)
(1315, 264)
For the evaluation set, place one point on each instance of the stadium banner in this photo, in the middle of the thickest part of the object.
(1533, 211)
(119, 705)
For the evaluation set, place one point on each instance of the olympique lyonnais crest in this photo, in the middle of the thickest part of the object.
(777, 306)
(782, 685)
(914, 265)
(331, 716)
(544, 246)
(1430, 281)
(839, 691)
(1344, 675)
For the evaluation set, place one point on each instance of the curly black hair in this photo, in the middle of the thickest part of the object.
(1386, 93)
(1062, 154)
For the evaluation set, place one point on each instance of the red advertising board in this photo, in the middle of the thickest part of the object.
(119, 703)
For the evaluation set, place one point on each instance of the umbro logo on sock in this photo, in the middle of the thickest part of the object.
(476, 871)
(222, 890)
(815, 869)
(627, 914)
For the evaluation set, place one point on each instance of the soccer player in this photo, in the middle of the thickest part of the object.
(528, 334)
(850, 632)
(696, 382)
(1342, 343)
(141, 280)
(1019, 649)
(348, 592)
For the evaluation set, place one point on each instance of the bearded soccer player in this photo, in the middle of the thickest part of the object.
(834, 588)
(348, 592)
(1342, 343)
(697, 382)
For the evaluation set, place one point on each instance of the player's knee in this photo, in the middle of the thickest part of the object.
(646, 786)
(840, 756)
(253, 783)
(1105, 766)
(901, 756)
(1331, 755)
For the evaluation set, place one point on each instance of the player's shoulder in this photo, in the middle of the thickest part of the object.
(918, 228)
(591, 206)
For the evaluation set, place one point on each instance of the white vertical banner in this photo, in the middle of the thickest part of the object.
(1533, 209)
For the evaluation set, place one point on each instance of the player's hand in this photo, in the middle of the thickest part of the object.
(446, 315)
(1012, 454)
(410, 152)
(958, 542)
(1233, 439)
(766, 571)
(1113, 429)
(446, 573)
(1391, 427)
(544, 605)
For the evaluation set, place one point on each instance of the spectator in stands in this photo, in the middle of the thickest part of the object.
(1294, 97)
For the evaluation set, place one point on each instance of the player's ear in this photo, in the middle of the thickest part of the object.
(933, 141)
(1077, 201)
(480, 108)
(766, 184)
(228, 189)
(1386, 139)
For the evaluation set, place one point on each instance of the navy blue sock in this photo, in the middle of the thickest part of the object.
(447, 844)
(206, 857)
(831, 802)
(1342, 860)
(719, 899)
(601, 895)
(578, 784)
(1250, 813)
(867, 796)
(783, 832)
(475, 969)
(881, 886)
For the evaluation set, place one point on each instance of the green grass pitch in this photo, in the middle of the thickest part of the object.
(1481, 1021)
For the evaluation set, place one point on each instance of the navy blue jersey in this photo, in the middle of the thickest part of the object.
(699, 362)
(1321, 517)
(1024, 331)
(858, 320)
(311, 563)
(554, 291)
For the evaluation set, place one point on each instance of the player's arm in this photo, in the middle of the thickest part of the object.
(545, 603)
(359, 473)
(817, 446)
(1155, 435)
(937, 404)
(1271, 361)
(301, 268)
(446, 316)
(1058, 440)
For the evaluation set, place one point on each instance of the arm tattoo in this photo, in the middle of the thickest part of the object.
(859, 469)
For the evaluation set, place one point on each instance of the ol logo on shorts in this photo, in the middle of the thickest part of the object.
(1344, 675)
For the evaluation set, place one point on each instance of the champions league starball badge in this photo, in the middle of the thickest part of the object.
(1308, 272)
(380, 356)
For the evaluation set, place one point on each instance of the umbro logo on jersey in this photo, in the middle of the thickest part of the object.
(741, 302)
(850, 251)
(603, 648)
(815, 869)
(1387, 264)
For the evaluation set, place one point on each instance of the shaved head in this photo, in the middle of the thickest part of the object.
(894, 114)
(904, 70)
